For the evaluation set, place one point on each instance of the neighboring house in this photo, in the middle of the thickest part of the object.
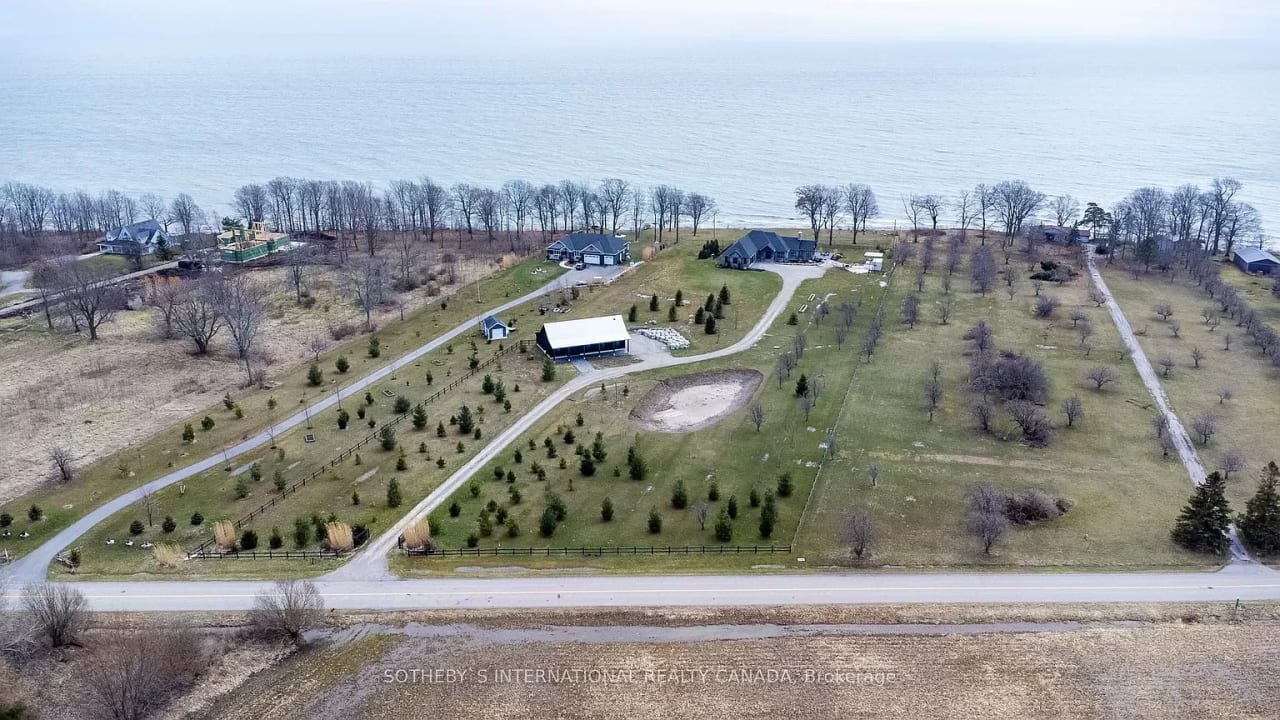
(239, 245)
(590, 248)
(494, 329)
(1254, 260)
(766, 246)
(140, 238)
(585, 337)
(1064, 235)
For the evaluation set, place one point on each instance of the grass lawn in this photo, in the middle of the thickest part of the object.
(133, 466)
(786, 443)
(1250, 421)
(213, 493)
(1125, 495)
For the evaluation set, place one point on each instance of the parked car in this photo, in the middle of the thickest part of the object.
(580, 266)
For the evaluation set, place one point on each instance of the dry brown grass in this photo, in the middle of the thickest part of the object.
(224, 534)
(168, 555)
(418, 535)
(338, 537)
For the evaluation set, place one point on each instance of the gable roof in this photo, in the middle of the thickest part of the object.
(140, 232)
(593, 242)
(1253, 255)
(586, 331)
(756, 240)
(491, 322)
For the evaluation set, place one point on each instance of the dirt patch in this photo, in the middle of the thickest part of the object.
(692, 402)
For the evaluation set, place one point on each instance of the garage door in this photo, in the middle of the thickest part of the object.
(592, 259)
(608, 259)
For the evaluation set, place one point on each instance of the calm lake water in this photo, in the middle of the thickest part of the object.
(745, 125)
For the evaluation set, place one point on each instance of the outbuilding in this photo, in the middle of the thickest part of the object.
(585, 337)
(494, 329)
(1255, 261)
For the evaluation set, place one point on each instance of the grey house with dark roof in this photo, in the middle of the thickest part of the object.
(1255, 260)
(140, 238)
(767, 246)
(590, 248)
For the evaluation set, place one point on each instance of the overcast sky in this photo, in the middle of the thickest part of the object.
(506, 24)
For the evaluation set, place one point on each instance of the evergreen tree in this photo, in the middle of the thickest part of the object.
(393, 494)
(466, 423)
(655, 521)
(402, 405)
(606, 510)
(632, 314)
(709, 326)
(419, 417)
(802, 386)
(548, 370)
(671, 314)
(700, 317)
(724, 529)
(679, 298)
(188, 433)
(388, 437)
(784, 485)
(169, 525)
(547, 525)
(653, 303)
(1202, 526)
(679, 496)
(276, 541)
(732, 507)
(724, 294)
(342, 364)
(301, 532)
(314, 376)
(1260, 524)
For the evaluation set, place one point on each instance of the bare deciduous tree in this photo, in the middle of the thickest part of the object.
(1046, 306)
(945, 307)
(90, 296)
(242, 301)
(197, 314)
(1101, 376)
(756, 413)
(1233, 460)
(1097, 297)
(59, 612)
(1073, 409)
(860, 203)
(873, 474)
(63, 463)
(911, 311)
(289, 609)
(1167, 362)
(366, 281)
(131, 674)
(701, 511)
(1206, 426)
(1197, 356)
(859, 532)
(1224, 394)
(983, 413)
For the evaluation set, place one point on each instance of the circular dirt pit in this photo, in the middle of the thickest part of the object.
(692, 402)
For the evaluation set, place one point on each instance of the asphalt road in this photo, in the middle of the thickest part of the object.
(1242, 582)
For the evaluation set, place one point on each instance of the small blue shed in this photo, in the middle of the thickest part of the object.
(494, 329)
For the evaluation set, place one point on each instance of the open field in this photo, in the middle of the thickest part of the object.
(214, 496)
(718, 669)
(161, 409)
(1124, 494)
(786, 443)
(1248, 422)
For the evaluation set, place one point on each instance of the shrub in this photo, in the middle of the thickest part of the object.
(314, 376)
(277, 478)
(679, 496)
(168, 525)
(477, 434)
(606, 510)
(227, 402)
(136, 527)
(207, 423)
(344, 418)
(402, 464)
(5, 520)
(255, 472)
(587, 467)
(655, 521)
(196, 518)
(513, 530)
(473, 540)
(793, 320)
(485, 524)
(58, 611)
(455, 509)
(338, 537)
(402, 405)
(361, 412)
(188, 433)
(1030, 506)
(248, 540)
(34, 513)
(724, 529)
(239, 412)
(342, 364)
(242, 488)
(167, 555)
(355, 498)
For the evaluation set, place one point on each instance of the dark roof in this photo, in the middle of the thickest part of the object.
(1253, 255)
(756, 240)
(140, 232)
(491, 322)
(584, 242)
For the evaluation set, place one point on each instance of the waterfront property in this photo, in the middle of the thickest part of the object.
(494, 329)
(239, 245)
(140, 238)
(584, 338)
(767, 246)
(1255, 261)
(590, 249)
